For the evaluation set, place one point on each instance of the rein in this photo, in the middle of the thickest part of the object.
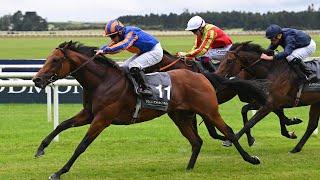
(251, 65)
(184, 59)
(81, 66)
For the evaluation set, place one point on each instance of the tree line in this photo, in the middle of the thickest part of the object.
(29, 21)
(309, 19)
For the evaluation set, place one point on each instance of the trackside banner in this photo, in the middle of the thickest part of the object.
(67, 94)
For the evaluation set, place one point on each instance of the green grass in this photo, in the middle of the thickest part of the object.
(40, 48)
(150, 150)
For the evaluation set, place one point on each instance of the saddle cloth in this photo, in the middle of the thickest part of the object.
(160, 84)
(314, 65)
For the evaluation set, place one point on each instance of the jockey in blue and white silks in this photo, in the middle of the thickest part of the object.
(147, 49)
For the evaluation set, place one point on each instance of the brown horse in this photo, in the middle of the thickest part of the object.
(225, 93)
(108, 98)
(282, 91)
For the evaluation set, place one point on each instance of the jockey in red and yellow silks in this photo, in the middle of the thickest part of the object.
(211, 41)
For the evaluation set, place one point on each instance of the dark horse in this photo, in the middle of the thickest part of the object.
(282, 88)
(224, 94)
(108, 98)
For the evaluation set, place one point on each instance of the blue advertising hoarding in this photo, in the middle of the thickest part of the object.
(67, 94)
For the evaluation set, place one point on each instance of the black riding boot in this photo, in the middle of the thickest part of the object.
(305, 70)
(139, 76)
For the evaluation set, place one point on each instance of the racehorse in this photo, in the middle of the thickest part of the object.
(224, 94)
(282, 91)
(109, 98)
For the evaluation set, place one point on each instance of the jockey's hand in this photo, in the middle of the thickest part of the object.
(181, 54)
(266, 57)
(99, 52)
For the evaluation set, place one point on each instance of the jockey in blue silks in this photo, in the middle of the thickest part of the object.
(147, 49)
(297, 46)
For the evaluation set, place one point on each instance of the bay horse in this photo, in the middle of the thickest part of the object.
(109, 98)
(282, 87)
(224, 94)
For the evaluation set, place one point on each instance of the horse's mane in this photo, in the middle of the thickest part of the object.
(165, 52)
(249, 46)
(90, 52)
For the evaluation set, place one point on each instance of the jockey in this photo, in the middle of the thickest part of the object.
(297, 46)
(147, 49)
(210, 43)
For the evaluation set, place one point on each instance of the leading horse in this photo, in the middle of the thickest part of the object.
(283, 89)
(109, 98)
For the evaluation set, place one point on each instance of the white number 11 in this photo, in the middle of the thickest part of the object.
(166, 89)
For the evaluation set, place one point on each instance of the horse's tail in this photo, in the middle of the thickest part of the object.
(251, 89)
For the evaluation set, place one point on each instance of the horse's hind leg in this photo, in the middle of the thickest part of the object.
(186, 127)
(312, 125)
(215, 117)
(82, 118)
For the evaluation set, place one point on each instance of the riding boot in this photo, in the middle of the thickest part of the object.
(311, 77)
(139, 77)
(295, 65)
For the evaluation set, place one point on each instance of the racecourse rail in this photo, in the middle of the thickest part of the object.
(14, 82)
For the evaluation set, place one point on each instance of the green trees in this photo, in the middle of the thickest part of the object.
(30, 21)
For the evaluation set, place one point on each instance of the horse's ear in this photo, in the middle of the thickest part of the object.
(246, 42)
(67, 44)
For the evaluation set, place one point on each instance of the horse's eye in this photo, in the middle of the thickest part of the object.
(229, 61)
(55, 60)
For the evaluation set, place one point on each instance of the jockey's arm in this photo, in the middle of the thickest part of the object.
(288, 49)
(130, 38)
(205, 45)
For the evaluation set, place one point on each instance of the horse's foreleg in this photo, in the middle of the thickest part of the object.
(312, 125)
(283, 120)
(82, 118)
(261, 113)
(186, 128)
(96, 127)
(244, 113)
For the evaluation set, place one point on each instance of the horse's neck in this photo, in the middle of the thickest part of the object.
(93, 75)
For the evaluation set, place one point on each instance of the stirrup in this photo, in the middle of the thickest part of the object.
(312, 78)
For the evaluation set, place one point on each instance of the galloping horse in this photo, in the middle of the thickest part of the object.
(224, 94)
(282, 91)
(109, 98)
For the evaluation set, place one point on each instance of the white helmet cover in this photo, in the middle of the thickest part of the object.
(195, 23)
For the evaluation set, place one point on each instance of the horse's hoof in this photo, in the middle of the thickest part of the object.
(254, 160)
(39, 153)
(295, 150)
(54, 177)
(296, 121)
(292, 135)
(226, 143)
(251, 141)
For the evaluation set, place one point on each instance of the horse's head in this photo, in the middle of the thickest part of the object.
(241, 56)
(59, 64)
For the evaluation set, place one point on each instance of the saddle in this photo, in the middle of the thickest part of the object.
(160, 84)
